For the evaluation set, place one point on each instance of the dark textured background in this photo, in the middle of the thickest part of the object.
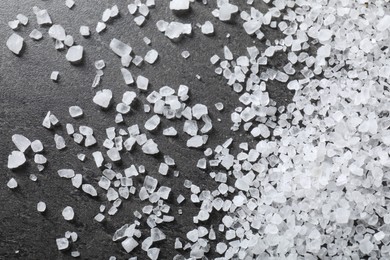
(27, 93)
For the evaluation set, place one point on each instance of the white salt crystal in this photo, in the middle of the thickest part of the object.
(114, 11)
(69, 3)
(207, 28)
(62, 243)
(41, 206)
(12, 184)
(142, 83)
(293, 85)
(42, 16)
(68, 213)
(75, 54)
(384, 23)
(129, 244)
(89, 189)
(66, 173)
(69, 41)
(365, 246)
(22, 19)
(152, 123)
(132, 8)
(162, 25)
(77, 180)
(103, 98)
(199, 110)
(84, 31)
(99, 217)
(342, 215)
(40, 159)
(226, 10)
(185, 54)
(59, 141)
(119, 48)
(151, 56)
(37, 146)
(14, 24)
(150, 147)
(193, 235)
(127, 76)
(179, 5)
(57, 32)
(196, 141)
(35, 35)
(153, 253)
(21, 142)
(113, 154)
(16, 159)
(139, 20)
(54, 75)
(170, 132)
(15, 43)
(75, 111)
(100, 27)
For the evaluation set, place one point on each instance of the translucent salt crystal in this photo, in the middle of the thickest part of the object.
(16, 159)
(15, 43)
(384, 23)
(129, 244)
(193, 235)
(14, 24)
(21, 142)
(221, 248)
(69, 3)
(324, 35)
(132, 8)
(84, 31)
(219, 106)
(366, 246)
(40, 159)
(112, 194)
(81, 157)
(66, 173)
(226, 10)
(142, 83)
(114, 11)
(185, 54)
(196, 141)
(139, 20)
(77, 180)
(151, 56)
(89, 189)
(153, 253)
(62, 243)
(42, 16)
(342, 215)
(99, 217)
(170, 132)
(379, 236)
(12, 184)
(127, 76)
(54, 75)
(199, 110)
(252, 26)
(75, 111)
(35, 35)
(122, 108)
(175, 30)
(293, 85)
(22, 19)
(41, 206)
(119, 48)
(100, 64)
(114, 155)
(162, 25)
(103, 98)
(157, 235)
(60, 142)
(98, 157)
(75, 254)
(57, 32)
(100, 27)
(75, 54)
(150, 147)
(68, 213)
(37, 146)
(207, 28)
(152, 123)
(179, 5)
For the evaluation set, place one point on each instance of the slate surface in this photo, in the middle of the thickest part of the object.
(27, 93)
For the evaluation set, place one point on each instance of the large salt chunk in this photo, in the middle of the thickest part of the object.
(119, 48)
(75, 54)
(16, 159)
(68, 213)
(152, 123)
(129, 244)
(199, 110)
(366, 246)
(384, 23)
(150, 147)
(196, 141)
(62, 243)
(226, 10)
(21, 142)
(89, 189)
(179, 5)
(103, 98)
(42, 16)
(57, 32)
(15, 43)
(151, 56)
(75, 111)
(66, 173)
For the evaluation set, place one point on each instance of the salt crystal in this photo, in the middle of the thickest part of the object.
(57, 32)
(68, 213)
(15, 43)
(152, 123)
(119, 48)
(16, 159)
(75, 111)
(77, 180)
(62, 243)
(139, 20)
(170, 132)
(150, 147)
(66, 173)
(42, 16)
(103, 98)
(199, 110)
(179, 5)
(59, 141)
(40, 159)
(12, 184)
(193, 235)
(21, 142)
(13, 24)
(207, 28)
(342, 215)
(365, 246)
(35, 35)
(22, 19)
(185, 54)
(114, 155)
(129, 244)
(157, 234)
(151, 56)
(89, 189)
(75, 54)
(75, 254)
(196, 141)
(100, 27)
(153, 253)
(84, 31)
(69, 3)
(41, 206)
(142, 83)
(226, 10)
(127, 76)
(384, 23)
(132, 8)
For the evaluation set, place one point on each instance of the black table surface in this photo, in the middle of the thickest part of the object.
(27, 94)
